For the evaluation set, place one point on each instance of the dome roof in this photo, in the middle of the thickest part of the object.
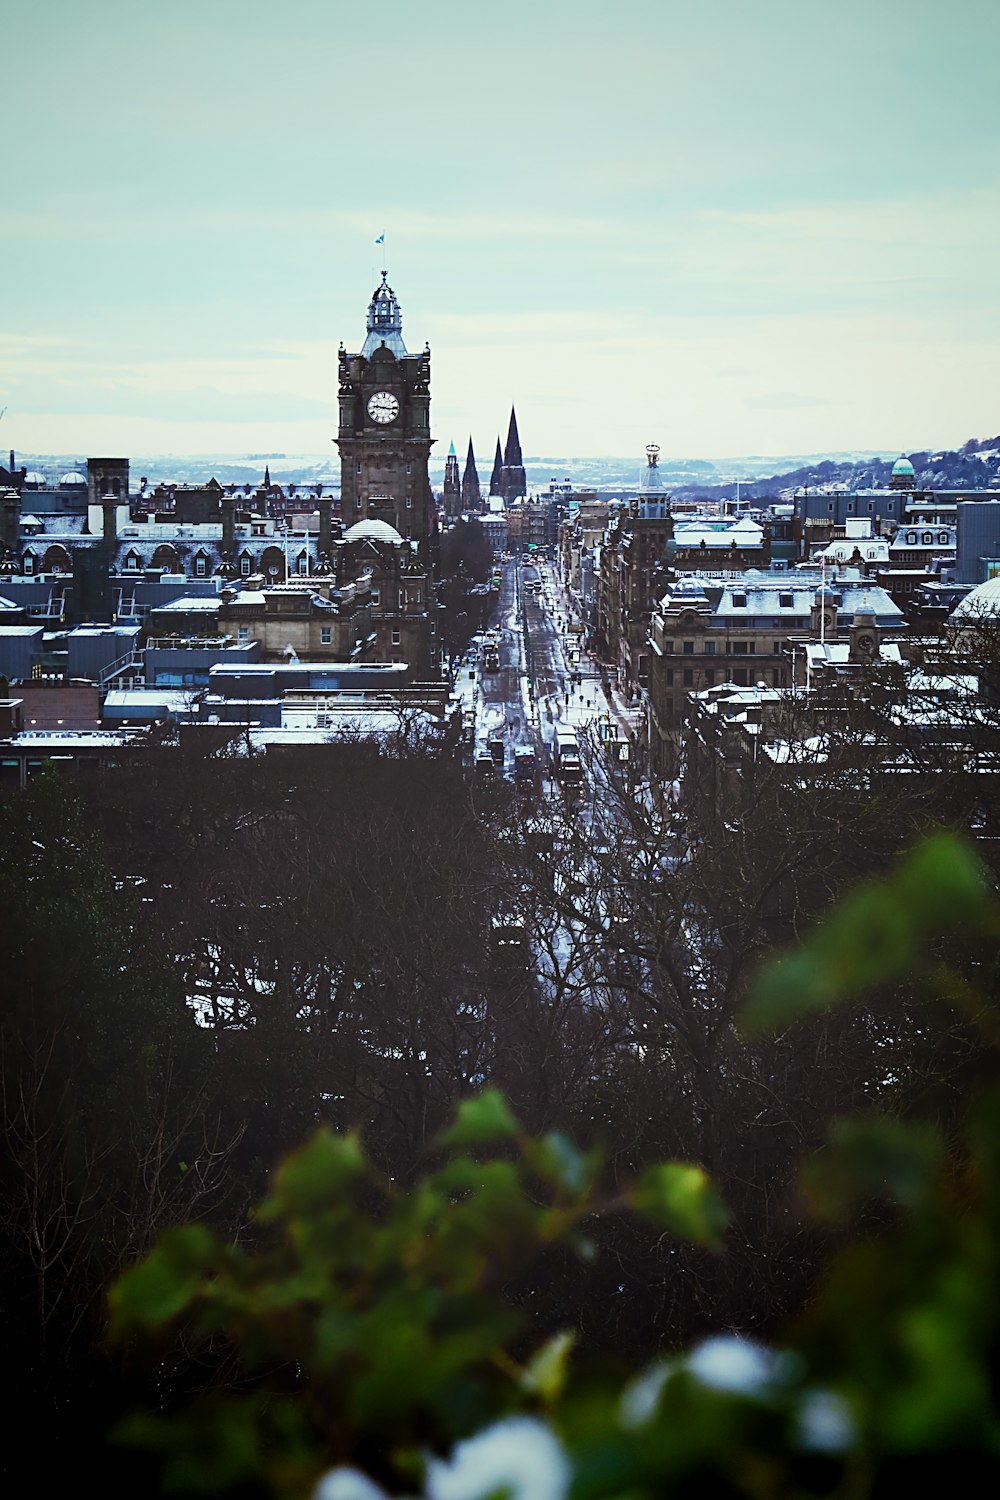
(982, 603)
(34, 481)
(72, 480)
(689, 587)
(372, 531)
(902, 465)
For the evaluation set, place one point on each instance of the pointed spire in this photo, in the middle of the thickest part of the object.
(496, 478)
(267, 476)
(452, 494)
(512, 453)
(472, 495)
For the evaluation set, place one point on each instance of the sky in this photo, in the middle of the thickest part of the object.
(728, 228)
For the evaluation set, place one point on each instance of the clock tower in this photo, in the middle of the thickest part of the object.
(384, 433)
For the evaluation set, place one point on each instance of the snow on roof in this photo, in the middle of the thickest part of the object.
(374, 531)
(191, 604)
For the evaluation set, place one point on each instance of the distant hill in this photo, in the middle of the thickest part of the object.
(975, 465)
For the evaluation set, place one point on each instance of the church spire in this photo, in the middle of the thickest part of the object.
(512, 453)
(513, 484)
(452, 495)
(496, 478)
(472, 497)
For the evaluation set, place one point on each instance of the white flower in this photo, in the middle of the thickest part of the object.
(738, 1366)
(348, 1484)
(520, 1456)
(641, 1396)
(824, 1423)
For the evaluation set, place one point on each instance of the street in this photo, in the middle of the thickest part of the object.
(545, 680)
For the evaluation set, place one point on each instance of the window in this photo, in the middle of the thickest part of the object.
(668, 646)
(325, 634)
(739, 601)
(29, 563)
(409, 468)
(409, 502)
(396, 635)
(709, 676)
(244, 567)
(689, 648)
(739, 648)
(132, 561)
(776, 676)
(670, 677)
(303, 563)
(775, 648)
(376, 597)
(359, 466)
(785, 601)
(740, 676)
(688, 677)
(357, 503)
(242, 633)
(709, 648)
(200, 567)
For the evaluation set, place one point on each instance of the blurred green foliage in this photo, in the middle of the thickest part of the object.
(367, 1326)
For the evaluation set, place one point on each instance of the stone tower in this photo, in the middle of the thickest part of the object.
(384, 435)
(451, 496)
(513, 485)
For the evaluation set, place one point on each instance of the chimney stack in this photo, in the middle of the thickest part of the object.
(325, 544)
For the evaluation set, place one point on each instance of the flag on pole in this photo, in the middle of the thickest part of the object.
(380, 240)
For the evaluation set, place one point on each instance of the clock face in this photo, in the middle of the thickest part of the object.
(383, 407)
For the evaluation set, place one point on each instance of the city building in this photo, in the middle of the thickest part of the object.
(706, 632)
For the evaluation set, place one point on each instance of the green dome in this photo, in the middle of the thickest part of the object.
(902, 465)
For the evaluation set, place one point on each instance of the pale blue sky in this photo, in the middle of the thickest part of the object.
(727, 227)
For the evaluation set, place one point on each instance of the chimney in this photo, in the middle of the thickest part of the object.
(325, 543)
(109, 505)
(10, 514)
(228, 526)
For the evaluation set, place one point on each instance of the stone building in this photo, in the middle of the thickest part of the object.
(384, 434)
(745, 632)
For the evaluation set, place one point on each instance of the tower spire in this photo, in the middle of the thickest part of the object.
(513, 484)
(472, 496)
(512, 453)
(385, 322)
(496, 478)
(452, 495)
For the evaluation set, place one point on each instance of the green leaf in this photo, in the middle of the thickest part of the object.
(874, 935)
(160, 1287)
(482, 1121)
(682, 1197)
(872, 1159)
(558, 1162)
(309, 1180)
(545, 1373)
